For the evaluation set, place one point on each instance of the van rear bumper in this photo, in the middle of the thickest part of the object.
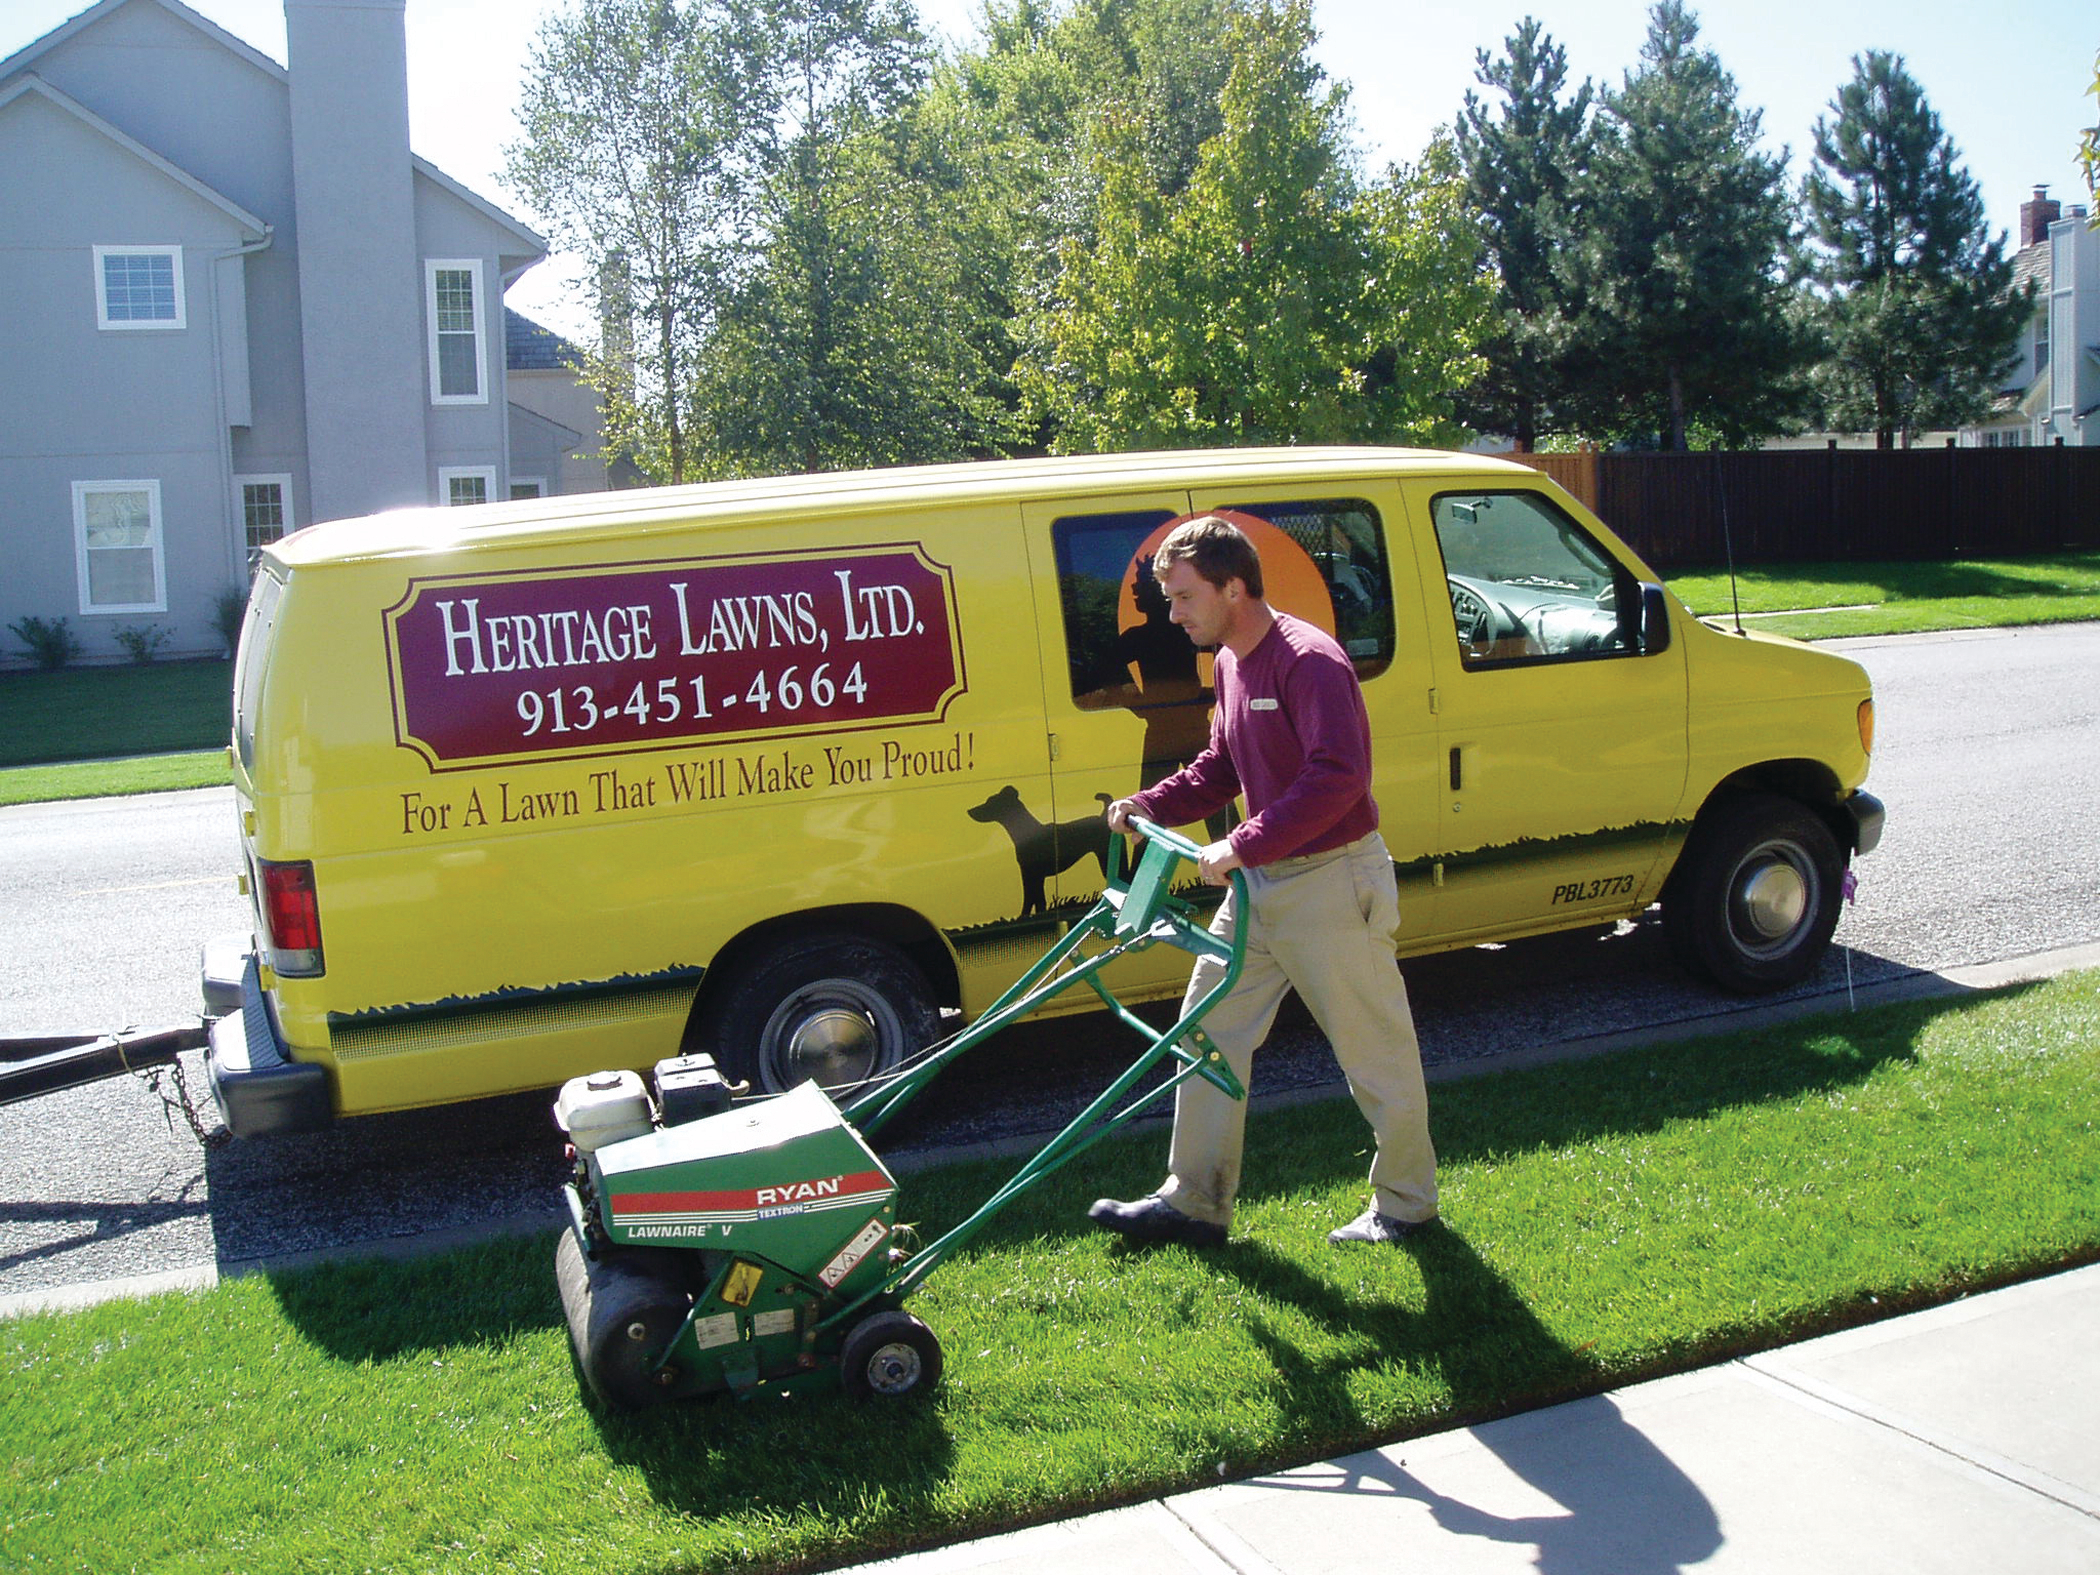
(259, 1087)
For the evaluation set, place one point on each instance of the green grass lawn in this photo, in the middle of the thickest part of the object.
(1901, 598)
(1606, 1221)
(95, 713)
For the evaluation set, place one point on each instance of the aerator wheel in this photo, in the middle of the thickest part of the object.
(623, 1311)
(890, 1355)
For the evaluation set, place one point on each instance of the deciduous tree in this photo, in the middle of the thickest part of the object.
(1270, 299)
(637, 154)
(858, 336)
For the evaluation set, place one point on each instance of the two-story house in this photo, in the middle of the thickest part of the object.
(233, 302)
(2051, 392)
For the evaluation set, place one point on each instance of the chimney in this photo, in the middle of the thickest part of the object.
(360, 285)
(2037, 216)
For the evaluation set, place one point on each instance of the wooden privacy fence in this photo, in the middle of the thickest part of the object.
(1841, 505)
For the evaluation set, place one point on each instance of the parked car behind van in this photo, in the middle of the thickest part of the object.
(780, 769)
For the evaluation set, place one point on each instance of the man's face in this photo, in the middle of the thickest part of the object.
(1201, 609)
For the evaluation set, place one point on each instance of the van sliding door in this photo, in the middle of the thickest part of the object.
(1127, 700)
(1331, 555)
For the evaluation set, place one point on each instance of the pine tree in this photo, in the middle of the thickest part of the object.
(1915, 295)
(1520, 165)
(1682, 265)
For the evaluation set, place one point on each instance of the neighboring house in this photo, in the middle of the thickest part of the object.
(556, 427)
(2052, 390)
(233, 302)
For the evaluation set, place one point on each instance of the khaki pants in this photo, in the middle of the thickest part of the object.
(1326, 924)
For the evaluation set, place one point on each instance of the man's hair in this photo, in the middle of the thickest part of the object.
(1217, 548)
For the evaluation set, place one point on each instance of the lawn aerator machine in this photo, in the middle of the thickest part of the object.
(719, 1244)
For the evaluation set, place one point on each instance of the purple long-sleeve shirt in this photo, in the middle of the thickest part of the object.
(1289, 729)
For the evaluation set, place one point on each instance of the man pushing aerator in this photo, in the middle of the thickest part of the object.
(1290, 731)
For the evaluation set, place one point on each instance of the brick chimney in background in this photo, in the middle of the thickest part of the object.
(2037, 216)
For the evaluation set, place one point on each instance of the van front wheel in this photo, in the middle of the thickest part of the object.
(1754, 901)
(835, 1007)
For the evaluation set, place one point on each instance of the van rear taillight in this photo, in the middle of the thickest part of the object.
(291, 915)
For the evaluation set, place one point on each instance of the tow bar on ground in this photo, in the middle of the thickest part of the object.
(44, 1064)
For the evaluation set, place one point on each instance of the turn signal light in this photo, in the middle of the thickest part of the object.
(1866, 725)
(291, 915)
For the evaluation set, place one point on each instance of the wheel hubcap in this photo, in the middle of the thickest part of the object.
(833, 1032)
(1772, 900)
(894, 1369)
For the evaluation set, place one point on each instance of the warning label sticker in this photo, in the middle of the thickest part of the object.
(871, 1236)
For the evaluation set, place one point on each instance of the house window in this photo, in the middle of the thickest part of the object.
(527, 487)
(456, 350)
(116, 546)
(465, 484)
(139, 287)
(266, 512)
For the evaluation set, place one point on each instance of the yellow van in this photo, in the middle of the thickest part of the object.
(782, 769)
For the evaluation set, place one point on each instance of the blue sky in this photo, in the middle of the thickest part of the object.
(2007, 79)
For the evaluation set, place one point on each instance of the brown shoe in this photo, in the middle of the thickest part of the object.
(1378, 1229)
(1153, 1219)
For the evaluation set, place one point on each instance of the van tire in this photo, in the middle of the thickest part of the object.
(828, 1005)
(1754, 899)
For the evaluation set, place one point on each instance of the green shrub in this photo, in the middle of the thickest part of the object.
(228, 613)
(141, 640)
(51, 643)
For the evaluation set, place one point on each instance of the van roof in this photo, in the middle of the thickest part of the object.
(643, 511)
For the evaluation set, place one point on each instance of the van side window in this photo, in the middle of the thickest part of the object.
(1122, 649)
(1528, 585)
(1344, 541)
(1095, 554)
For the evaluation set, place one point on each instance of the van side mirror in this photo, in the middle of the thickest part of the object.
(1655, 620)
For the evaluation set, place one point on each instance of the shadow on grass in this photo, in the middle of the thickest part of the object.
(771, 1456)
(874, 1466)
(884, 1470)
(378, 1309)
(1639, 1090)
(1626, 1505)
(85, 713)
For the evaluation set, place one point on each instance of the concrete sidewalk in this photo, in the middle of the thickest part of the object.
(1964, 1438)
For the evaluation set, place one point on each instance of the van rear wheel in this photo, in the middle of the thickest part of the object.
(829, 1006)
(1755, 898)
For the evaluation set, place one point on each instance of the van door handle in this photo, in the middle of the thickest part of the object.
(1456, 773)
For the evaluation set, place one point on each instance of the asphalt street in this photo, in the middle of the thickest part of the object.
(1988, 758)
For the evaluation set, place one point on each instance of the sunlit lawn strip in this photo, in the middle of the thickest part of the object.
(1900, 598)
(1606, 1221)
(114, 778)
